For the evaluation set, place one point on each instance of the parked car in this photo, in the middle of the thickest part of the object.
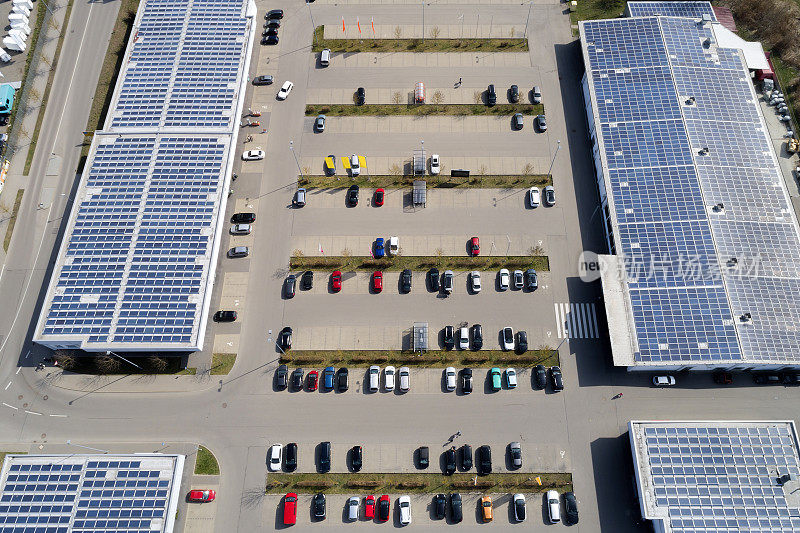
(225, 316)
(475, 246)
(486, 509)
(466, 380)
(369, 507)
(282, 377)
(433, 279)
(477, 337)
(253, 155)
(352, 196)
(352, 508)
(380, 247)
(405, 281)
(518, 279)
(360, 96)
(355, 167)
(447, 281)
(491, 95)
(241, 229)
(513, 94)
(374, 375)
(537, 95)
(384, 508)
(508, 338)
(336, 280)
(791, 379)
(290, 457)
(377, 281)
(449, 461)
(767, 379)
(324, 456)
(330, 165)
(286, 88)
(541, 122)
(522, 342)
(423, 457)
(475, 281)
(307, 280)
(534, 196)
(494, 378)
(531, 279)
(556, 378)
(285, 339)
(553, 507)
(327, 377)
(549, 196)
(342, 379)
(504, 279)
(319, 123)
(463, 338)
(378, 198)
(450, 378)
(448, 337)
(439, 505)
(274, 457)
(312, 379)
(664, 381)
(721, 378)
(517, 121)
(456, 511)
(270, 39)
(274, 14)
(300, 197)
(290, 509)
(485, 460)
(271, 29)
(388, 378)
(263, 80)
(466, 457)
(540, 375)
(243, 218)
(297, 379)
(404, 378)
(325, 57)
(511, 378)
(356, 458)
(435, 166)
(404, 502)
(318, 506)
(515, 454)
(570, 508)
(238, 251)
(202, 496)
(519, 507)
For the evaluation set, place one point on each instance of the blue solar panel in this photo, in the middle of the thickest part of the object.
(670, 9)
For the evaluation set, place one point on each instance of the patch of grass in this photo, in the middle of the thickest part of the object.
(112, 65)
(221, 363)
(205, 463)
(341, 483)
(421, 262)
(431, 358)
(388, 181)
(12, 221)
(417, 45)
(597, 9)
(348, 110)
(51, 75)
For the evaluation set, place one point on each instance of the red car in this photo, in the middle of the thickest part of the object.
(475, 246)
(290, 509)
(384, 508)
(313, 378)
(379, 194)
(336, 281)
(369, 506)
(377, 281)
(202, 496)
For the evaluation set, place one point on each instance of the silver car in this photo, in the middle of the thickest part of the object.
(541, 122)
(241, 229)
(374, 376)
(450, 378)
(537, 95)
(505, 278)
(352, 508)
(404, 378)
(447, 281)
(549, 196)
(319, 123)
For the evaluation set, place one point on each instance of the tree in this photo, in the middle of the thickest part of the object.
(435, 32)
(482, 170)
(527, 170)
(477, 97)
(298, 252)
(398, 31)
(437, 97)
(107, 364)
(306, 171)
(397, 97)
(65, 359)
(156, 364)
(395, 169)
(537, 250)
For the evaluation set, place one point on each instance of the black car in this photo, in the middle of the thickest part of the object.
(466, 457)
(449, 338)
(341, 379)
(456, 513)
(791, 379)
(477, 337)
(466, 381)
(439, 506)
(318, 505)
(517, 121)
(273, 23)
(449, 462)
(484, 460)
(282, 377)
(433, 279)
(540, 374)
(243, 218)
(405, 281)
(570, 508)
(225, 316)
(4, 118)
(491, 95)
(767, 379)
(360, 96)
(522, 342)
(270, 39)
(290, 457)
(356, 458)
(383, 509)
(531, 279)
(274, 14)
(270, 31)
(324, 456)
(556, 379)
(289, 286)
(297, 379)
(263, 80)
(513, 94)
(352, 196)
(285, 339)
(423, 455)
(307, 281)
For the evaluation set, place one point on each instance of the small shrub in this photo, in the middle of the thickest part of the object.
(476, 358)
(306, 358)
(411, 485)
(314, 483)
(364, 484)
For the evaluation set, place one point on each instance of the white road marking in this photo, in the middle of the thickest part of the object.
(7, 386)
(18, 369)
(11, 406)
(576, 321)
(59, 416)
(33, 413)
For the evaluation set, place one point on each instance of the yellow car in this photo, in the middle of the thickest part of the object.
(486, 507)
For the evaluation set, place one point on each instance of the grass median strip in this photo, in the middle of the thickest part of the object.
(205, 463)
(417, 45)
(383, 483)
(423, 262)
(433, 358)
(418, 110)
(221, 363)
(12, 220)
(389, 181)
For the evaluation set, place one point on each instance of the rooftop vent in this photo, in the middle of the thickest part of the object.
(719, 208)
(703, 151)
(732, 262)
(690, 101)
(746, 318)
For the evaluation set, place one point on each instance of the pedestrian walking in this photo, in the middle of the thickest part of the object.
(458, 434)
(459, 80)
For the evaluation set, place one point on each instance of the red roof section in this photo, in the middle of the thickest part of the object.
(725, 17)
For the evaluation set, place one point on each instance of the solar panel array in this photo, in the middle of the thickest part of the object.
(670, 9)
(720, 476)
(60, 494)
(133, 272)
(681, 132)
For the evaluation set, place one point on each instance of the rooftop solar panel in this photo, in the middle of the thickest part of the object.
(670, 9)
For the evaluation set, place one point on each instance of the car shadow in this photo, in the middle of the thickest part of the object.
(279, 515)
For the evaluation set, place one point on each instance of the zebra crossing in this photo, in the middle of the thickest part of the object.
(576, 321)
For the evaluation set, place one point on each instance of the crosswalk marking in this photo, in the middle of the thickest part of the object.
(576, 321)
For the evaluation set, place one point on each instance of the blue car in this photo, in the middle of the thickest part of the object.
(327, 378)
(380, 249)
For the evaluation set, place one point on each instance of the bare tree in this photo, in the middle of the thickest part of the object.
(306, 170)
(534, 251)
(34, 94)
(65, 359)
(106, 364)
(437, 97)
(527, 170)
(298, 252)
(511, 32)
(477, 97)
(482, 170)
(435, 31)
(397, 97)
(398, 31)
(395, 169)
(157, 364)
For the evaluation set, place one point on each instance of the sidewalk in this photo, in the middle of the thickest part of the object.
(133, 383)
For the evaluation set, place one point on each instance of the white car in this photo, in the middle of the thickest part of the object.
(355, 167)
(373, 376)
(285, 90)
(404, 503)
(505, 279)
(463, 338)
(511, 378)
(274, 457)
(475, 279)
(519, 507)
(352, 508)
(534, 196)
(388, 378)
(253, 155)
(553, 506)
(664, 381)
(435, 168)
(450, 378)
(241, 229)
(405, 378)
(508, 338)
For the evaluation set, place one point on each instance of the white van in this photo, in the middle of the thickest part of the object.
(325, 57)
(374, 378)
(394, 245)
(355, 168)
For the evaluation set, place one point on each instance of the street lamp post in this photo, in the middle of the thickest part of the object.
(108, 352)
(423, 20)
(554, 157)
(530, 5)
(291, 147)
(69, 442)
(313, 26)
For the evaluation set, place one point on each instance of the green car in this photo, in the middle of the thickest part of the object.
(495, 375)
